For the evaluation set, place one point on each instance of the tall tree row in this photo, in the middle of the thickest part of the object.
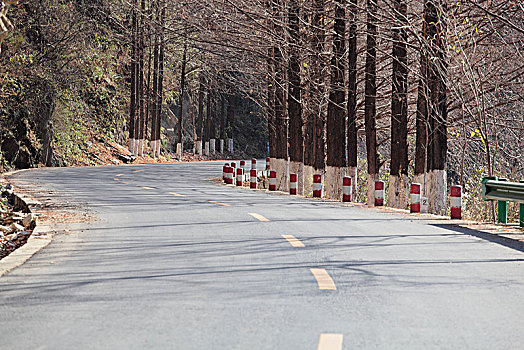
(352, 88)
(323, 95)
(147, 75)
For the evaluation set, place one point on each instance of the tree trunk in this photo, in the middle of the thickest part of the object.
(281, 125)
(314, 153)
(230, 116)
(352, 98)
(154, 89)
(210, 116)
(181, 101)
(421, 141)
(435, 14)
(149, 89)
(319, 119)
(160, 89)
(205, 121)
(279, 162)
(294, 102)
(399, 111)
(133, 69)
(270, 111)
(141, 89)
(336, 117)
(200, 118)
(223, 120)
(370, 102)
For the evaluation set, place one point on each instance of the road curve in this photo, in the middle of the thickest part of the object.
(177, 261)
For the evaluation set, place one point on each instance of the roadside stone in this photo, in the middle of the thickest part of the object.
(11, 237)
(28, 220)
(17, 227)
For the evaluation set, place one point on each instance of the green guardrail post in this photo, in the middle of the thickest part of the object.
(484, 181)
(503, 209)
(521, 211)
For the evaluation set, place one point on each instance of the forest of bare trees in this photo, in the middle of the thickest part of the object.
(403, 91)
(426, 91)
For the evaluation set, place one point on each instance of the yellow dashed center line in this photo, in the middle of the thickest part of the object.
(323, 279)
(177, 194)
(218, 203)
(118, 175)
(124, 182)
(147, 188)
(116, 179)
(138, 171)
(330, 341)
(294, 241)
(259, 217)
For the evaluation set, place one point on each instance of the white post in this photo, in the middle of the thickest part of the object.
(158, 148)
(212, 147)
(424, 205)
(221, 146)
(230, 145)
(199, 148)
(179, 150)
(132, 146)
(153, 149)
(135, 147)
(141, 147)
(206, 149)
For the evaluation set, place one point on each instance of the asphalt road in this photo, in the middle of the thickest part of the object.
(176, 261)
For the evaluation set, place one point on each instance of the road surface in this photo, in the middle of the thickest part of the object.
(176, 261)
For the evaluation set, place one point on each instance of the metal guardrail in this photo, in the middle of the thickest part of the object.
(502, 190)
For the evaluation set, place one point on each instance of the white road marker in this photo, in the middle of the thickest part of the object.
(323, 279)
(259, 217)
(330, 341)
(147, 188)
(294, 241)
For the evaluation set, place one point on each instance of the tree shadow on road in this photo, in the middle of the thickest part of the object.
(506, 242)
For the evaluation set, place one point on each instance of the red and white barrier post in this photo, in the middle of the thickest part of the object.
(268, 163)
(230, 173)
(240, 177)
(224, 171)
(253, 164)
(317, 186)
(380, 193)
(456, 202)
(347, 189)
(414, 193)
(253, 179)
(243, 166)
(293, 184)
(272, 180)
(234, 165)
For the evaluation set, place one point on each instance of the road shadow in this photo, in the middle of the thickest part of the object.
(504, 241)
